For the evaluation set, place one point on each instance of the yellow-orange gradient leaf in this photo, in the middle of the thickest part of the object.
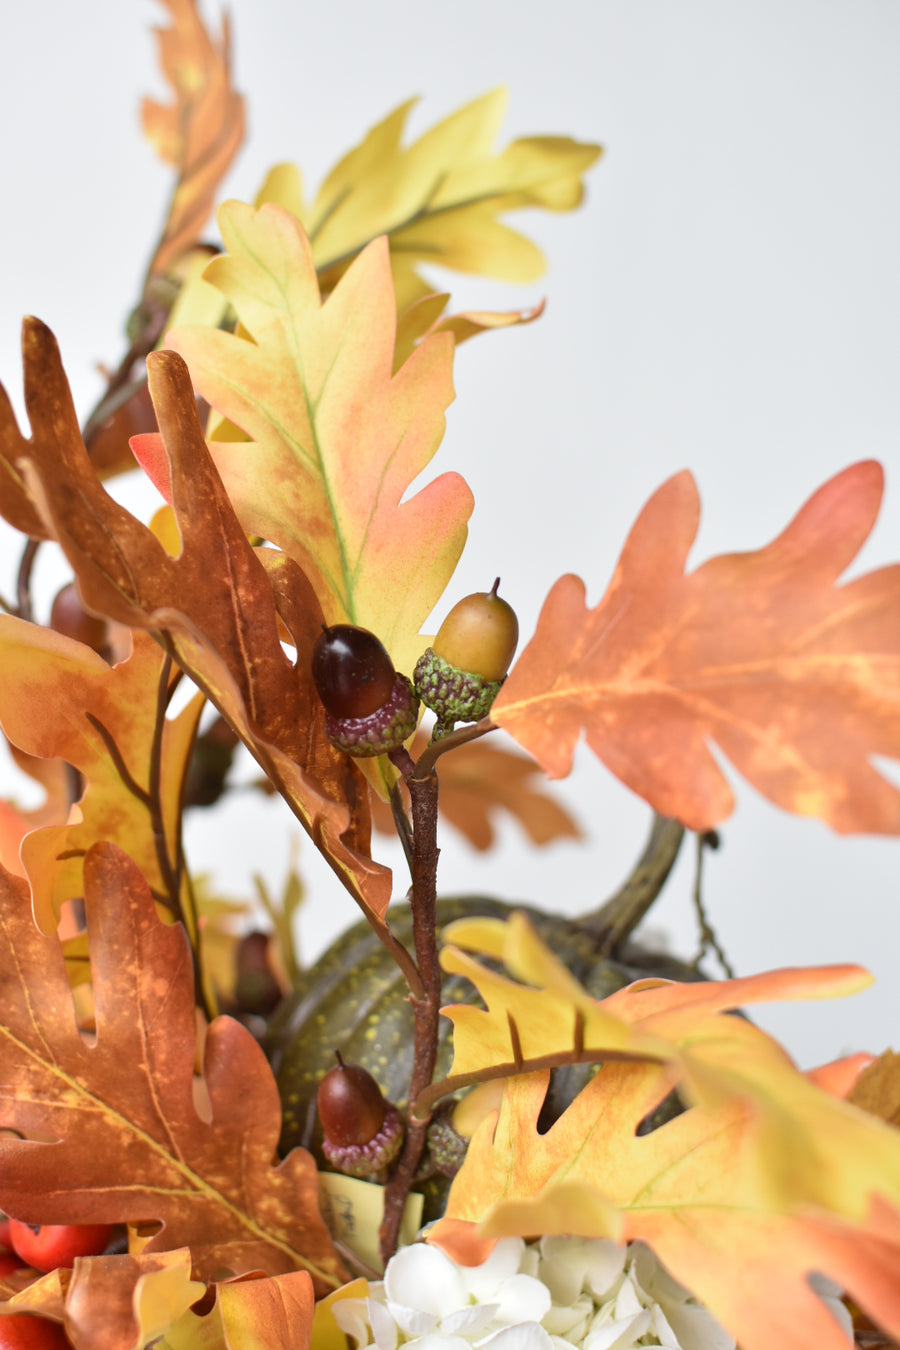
(130, 1146)
(200, 131)
(58, 698)
(216, 607)
(764, 1177)
(795, 677)
(336, 438)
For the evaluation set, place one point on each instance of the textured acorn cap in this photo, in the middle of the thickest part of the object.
(383, 730)
(371, 1159)
(454, 695)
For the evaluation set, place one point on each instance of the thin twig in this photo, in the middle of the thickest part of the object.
(423, 899)
(431, 754)
(708, 939)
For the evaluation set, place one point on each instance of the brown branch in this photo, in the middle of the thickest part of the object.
(423, 899)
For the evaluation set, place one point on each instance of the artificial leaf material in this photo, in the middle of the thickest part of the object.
(60, 700)
(336, 437)
(439, 199)
(764, 1177)
(200, 131)
(795, 677)
(216, 606)
(130, 1144)
(479, 782)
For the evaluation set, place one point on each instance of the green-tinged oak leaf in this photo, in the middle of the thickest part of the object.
(479, 783)
(336, 437)
(129, 1143)
(795, 677)
(763, 1178)
(438, 200)
(200, 131)
(216, 607)
(61, 701)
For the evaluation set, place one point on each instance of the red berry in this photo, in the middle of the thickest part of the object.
(69, 617)
(22, 1331)
(9, 1262)
(50, 1245)
(351, 1107)
(352, 671)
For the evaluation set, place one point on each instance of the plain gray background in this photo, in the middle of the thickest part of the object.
(727, 300)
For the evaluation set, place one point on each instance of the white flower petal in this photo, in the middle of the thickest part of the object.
(423, 1278)
(628, 1301)
(384, 1328)
(482, 1282)
(570, 1265)
(524, 1336)
(521, 1299)
(620, 1334)
(468, 1321)
(696, 1328)
(352, 1316)
(436, 1341)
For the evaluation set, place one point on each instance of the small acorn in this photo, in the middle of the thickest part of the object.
(363, 1133)
(370, 709)
(459, 677)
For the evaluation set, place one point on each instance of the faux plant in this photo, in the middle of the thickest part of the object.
(229, 1149)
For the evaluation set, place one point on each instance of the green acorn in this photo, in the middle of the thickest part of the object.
(460, 676)
(370, 709)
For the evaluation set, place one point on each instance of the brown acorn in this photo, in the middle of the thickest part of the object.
(362, 1132)
(370, 709)
(459, 677)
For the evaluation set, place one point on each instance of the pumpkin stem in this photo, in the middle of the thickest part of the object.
(613, 923)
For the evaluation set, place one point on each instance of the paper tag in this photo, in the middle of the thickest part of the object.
(353, 1211)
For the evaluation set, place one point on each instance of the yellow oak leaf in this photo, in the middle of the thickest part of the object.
(439, 199)
(336, 438)
(763, 1178)
(795, 677)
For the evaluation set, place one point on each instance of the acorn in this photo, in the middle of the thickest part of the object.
(370, 709)
(459, 677)
(69, 617)
(362, 1132)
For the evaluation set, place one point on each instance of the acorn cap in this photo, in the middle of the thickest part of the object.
(371, 1159)
(454, 695)
(383, 730)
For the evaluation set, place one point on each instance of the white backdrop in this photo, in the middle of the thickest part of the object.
(728, 300)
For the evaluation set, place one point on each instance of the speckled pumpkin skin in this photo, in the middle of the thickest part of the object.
(354, 1000)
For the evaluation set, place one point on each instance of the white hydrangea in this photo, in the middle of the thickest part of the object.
(548, 1295)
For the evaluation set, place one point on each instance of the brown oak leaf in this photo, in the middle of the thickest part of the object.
(129, 1145)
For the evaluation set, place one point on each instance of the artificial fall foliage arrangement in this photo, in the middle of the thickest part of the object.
(185, 1162)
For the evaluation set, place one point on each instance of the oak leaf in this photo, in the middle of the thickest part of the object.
(481, 780)
(216, 607)
(764, 1177)
(130, 1146)
(335, 437)
(60, 700)
(796, 678)
(877, 1089)
(439, 199)
(200, 131)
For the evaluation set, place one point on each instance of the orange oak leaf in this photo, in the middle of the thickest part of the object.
(481, 780)
(336, 438)
(129, 1143)
(216, 607)
(796, 678)
(60, 700)
(200, 131)
(764, 1177)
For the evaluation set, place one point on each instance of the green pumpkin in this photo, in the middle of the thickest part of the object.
(354, 999)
